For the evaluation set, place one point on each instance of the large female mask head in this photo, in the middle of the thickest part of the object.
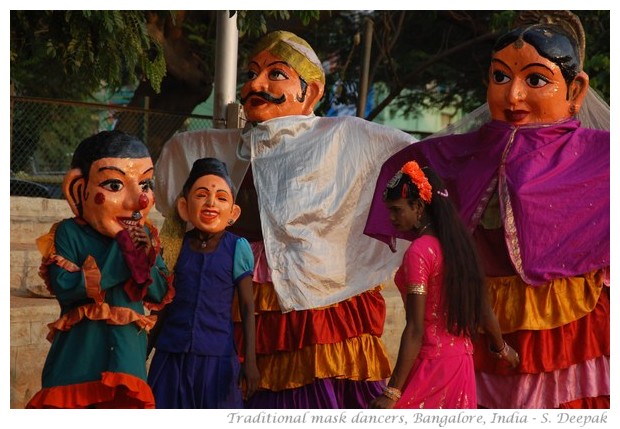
(110, 184)
(285, 77)
(536, 75)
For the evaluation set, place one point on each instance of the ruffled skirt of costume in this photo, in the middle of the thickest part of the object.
(561, 331)
(331, 357)
(114, 390)
(78, 372)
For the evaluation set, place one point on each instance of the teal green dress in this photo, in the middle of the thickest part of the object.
(98, 352)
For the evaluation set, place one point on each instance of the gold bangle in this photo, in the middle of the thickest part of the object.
(391, 393)
(416, 289)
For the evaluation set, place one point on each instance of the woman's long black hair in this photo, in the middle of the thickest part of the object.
(464, 280)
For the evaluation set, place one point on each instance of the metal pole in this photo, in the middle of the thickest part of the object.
(145, 125)
(225, 79)
(363, 92)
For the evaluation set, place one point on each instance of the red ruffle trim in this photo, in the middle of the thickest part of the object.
(114, 390)
(361, 314)
(548, 350)
(600, 402)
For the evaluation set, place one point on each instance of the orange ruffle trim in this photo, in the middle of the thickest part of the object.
(92, 280)
(549, 350)
(114, 390)
(45, 243)
(168, 297)
(47, 248)
(559, 302)
(112, 316)
(361, 358)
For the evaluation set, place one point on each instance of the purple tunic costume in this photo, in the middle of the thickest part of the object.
(553, 181)
(196, 364)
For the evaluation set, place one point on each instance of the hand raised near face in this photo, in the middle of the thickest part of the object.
(139, 238)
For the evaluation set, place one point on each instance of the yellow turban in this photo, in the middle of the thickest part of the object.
(295, 51)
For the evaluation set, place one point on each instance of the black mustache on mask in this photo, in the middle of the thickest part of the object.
(265, 96)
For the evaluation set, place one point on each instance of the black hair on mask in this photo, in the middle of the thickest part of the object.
(206, 166)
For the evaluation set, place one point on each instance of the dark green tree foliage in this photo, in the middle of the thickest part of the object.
(597, 62)
(72, 55)
(78, 51)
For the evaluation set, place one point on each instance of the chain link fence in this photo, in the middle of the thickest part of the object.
(44, 134)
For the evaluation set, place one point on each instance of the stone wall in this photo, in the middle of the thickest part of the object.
(31, 311)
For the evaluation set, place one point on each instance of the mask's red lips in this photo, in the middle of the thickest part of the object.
(516, 116)
(209, 214)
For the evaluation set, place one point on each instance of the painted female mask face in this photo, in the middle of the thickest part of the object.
(209, 205)
(274, 89)
(119, 193)
(525, 87)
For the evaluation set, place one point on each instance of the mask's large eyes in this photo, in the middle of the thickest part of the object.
(222, 196)
(147, 185)
(113, 185)
(500, 77)
(200, 194)
(536, 80)
(251, 74)
(277, 74)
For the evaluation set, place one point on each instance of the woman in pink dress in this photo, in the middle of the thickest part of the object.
(442, 285)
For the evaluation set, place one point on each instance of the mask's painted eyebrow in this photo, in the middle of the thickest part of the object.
(497, 60)
(114, 168)
(538, 65)
(204, 188)
(270, 64)
(111, 167)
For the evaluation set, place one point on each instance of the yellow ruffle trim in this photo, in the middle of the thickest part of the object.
(519, 306)
(361, 358)
(45, 243)
(265, 298)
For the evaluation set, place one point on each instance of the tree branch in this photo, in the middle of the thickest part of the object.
(411, 76)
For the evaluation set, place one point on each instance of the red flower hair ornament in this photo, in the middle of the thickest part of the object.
(413, 170)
